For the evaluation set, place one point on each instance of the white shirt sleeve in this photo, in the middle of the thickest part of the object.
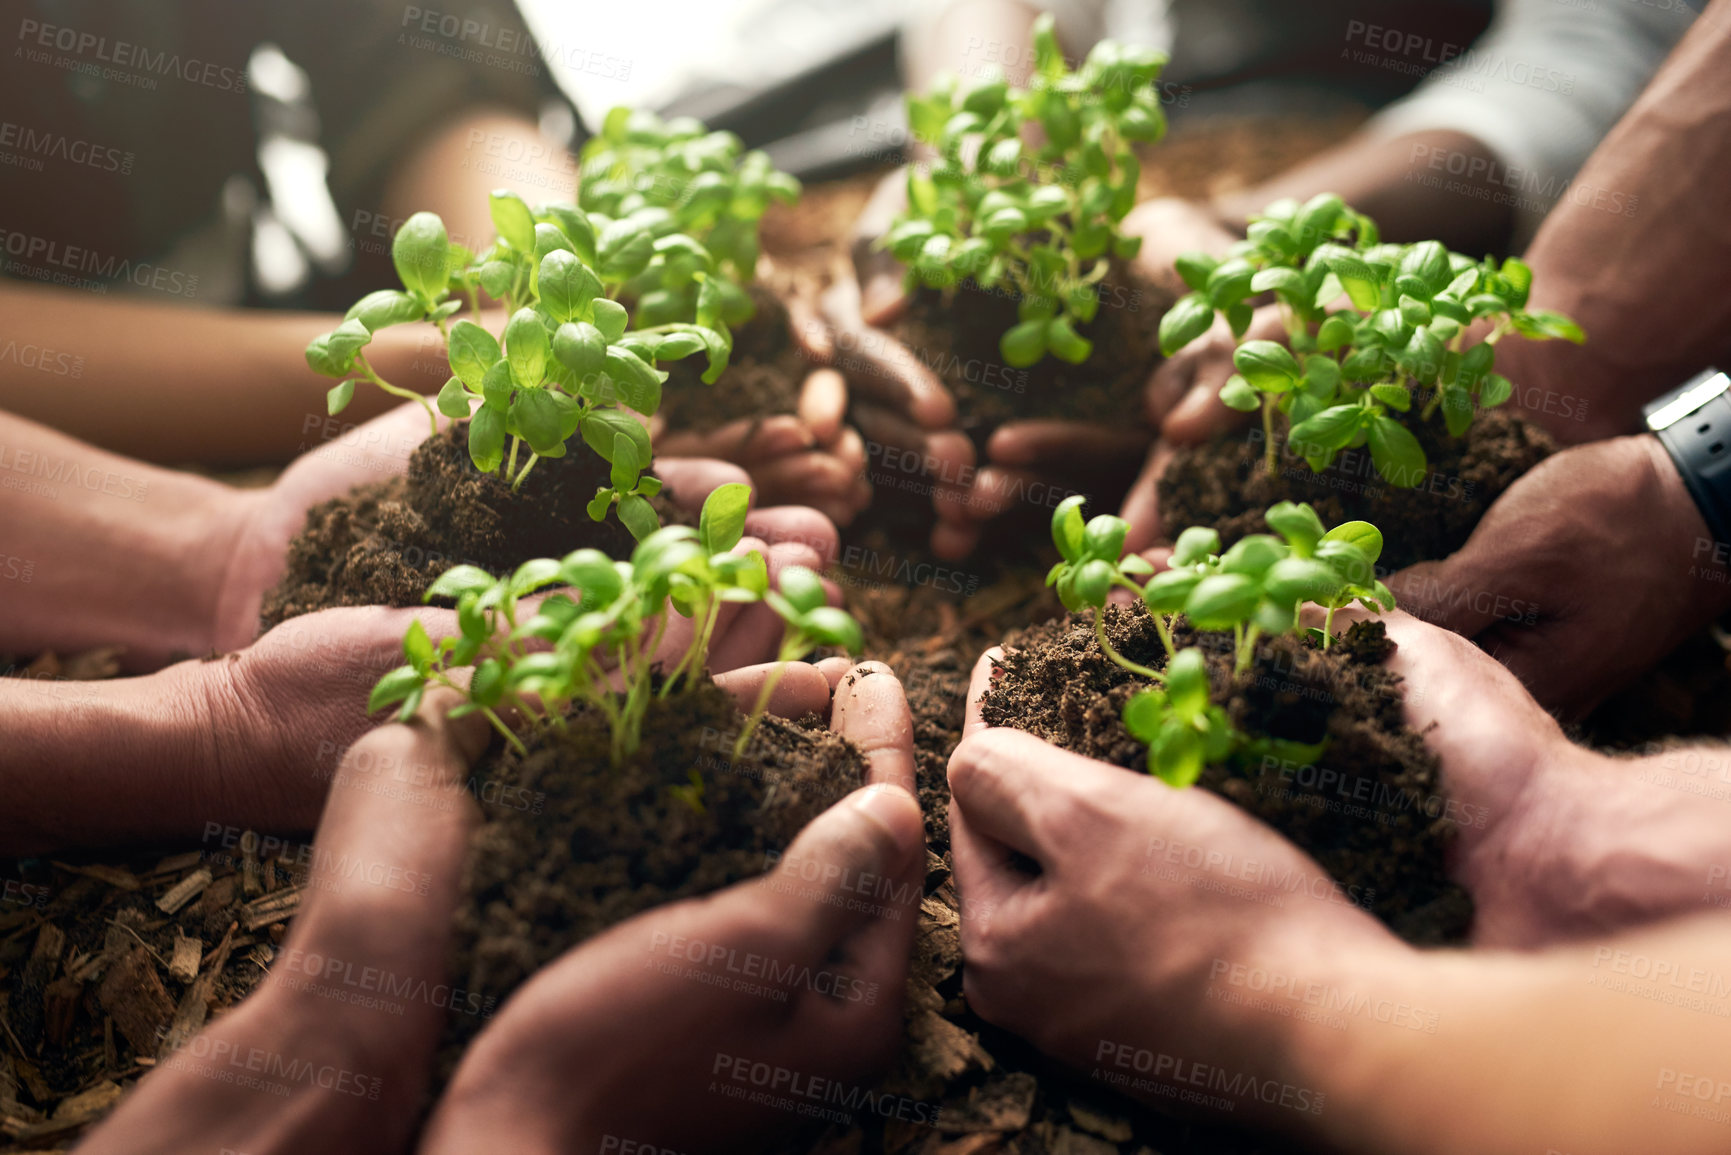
(1541, 87)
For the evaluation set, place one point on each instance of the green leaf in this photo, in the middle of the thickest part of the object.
(532, 575)
(1068, 530)
(383, 308)
(601, 427)
(624, 473)
(1301, 579)
(394, 687)
(1103, 537)
(1090, 584)
(487, 438)
(581, 348)
(1065, 343)
(421, 251)
(833, 627)
(1194, 545)
(638, 383)
(638, 516)
(459, 580)
(1298, 524)
(1196, 268)
(513, 220)
(1333, 428)
(1360, 535)
(802, 588)
(472, 352)
(1222, 601)
(1238, 394)
(722, 522)
(339, 397)
(1187, 683)
(1166, 592)
(453, 399)
(1394, 396)
(526, 348)
(1253, 554)
(1335, 333)
(333, 354)
(1494, 390)
(611, 318)
(1189, 318)
(1545, 324)
(1268, 366)
(538, 420)
(1396, 452)
(1278, 279)
(566, 284)
(1024, 344)
(1143, 713)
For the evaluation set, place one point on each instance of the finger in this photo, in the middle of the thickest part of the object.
(1433, 590)
(989, 877)
(883, 291)
(811, 332)
(849, 449)
(1009, 785)
(690, 480)
(822, 404)
(835, 669)
(875, 831)
(815, 479)
(1200, 415)
(799, 524)
(953, 542)
(883, 370)
(801, 690)
(378, 448)
(978, 683)
(871, 711)
(744, 441)
(1142, 503)
(995, 492)
(1072, 444)
(756, 632)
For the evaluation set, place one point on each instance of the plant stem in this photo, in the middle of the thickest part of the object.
(1106, 648)
(398, 391)
(511, 465)
(1163, 624)
(1268, 433)
(1328, 626)
(533, 458)
(757, 711)
(1246, 648)
(499, 725)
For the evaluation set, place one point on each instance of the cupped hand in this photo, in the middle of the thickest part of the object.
(1587, 571)
(315, 1059)
(1052, 849)
(650, 1034)
(269, 519)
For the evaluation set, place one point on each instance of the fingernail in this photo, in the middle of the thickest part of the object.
(895, 811)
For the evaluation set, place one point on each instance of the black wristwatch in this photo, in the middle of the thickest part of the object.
(1693, 422)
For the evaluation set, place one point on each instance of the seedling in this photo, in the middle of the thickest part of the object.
(809, 622)
(1041, 220)
(1345, 372)
(1257, 586)
(697, 184)
(595, 642)
(1254, 588)
(1090, 568)
(566, 360)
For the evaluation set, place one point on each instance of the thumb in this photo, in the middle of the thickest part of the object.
(857, 864)
(1446, 593)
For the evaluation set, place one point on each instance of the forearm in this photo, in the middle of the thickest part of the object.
(113, 552)
(1640, 252)
(167, 383)
(1406, 184)
(100, 763)
(970, 37)
(1530, 1052)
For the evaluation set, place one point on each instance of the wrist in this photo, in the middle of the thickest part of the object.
(1701, 563)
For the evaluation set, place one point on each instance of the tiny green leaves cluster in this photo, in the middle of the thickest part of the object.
(595, 639)
(567, 360)
(1089, 568)
(1182, 728)
(1350, 374)
(696, 184)
(1042, 221)
(808, 621)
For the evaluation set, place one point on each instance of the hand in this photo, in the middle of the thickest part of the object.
(1556, 842)
(1582, 575)
(808, 457)
(294, 1068)
(266, 521)
(623, 1037)
(1110, 848)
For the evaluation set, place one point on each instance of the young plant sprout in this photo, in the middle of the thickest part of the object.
(702, 185)
(1257, 586)
(1254, 588)
(1345, 372)
(1089, 568)
(1041, 221)
(594, 643)
(809, 622)
(1182, 729)
(566, 360)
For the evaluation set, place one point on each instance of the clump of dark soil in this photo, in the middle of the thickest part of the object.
(1224, 484)
(1370, 810)
(384, 544)
(762, 378)
(956, 336)
(575, 845)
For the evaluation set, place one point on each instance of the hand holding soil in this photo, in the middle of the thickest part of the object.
(650, 1032)
(1586, 572)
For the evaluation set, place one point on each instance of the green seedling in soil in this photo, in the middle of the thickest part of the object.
(566, 361)
(1090, 567)
(1041, 221)
(1348, 371)
(1254, 588)
(810, 622)
(695, 184)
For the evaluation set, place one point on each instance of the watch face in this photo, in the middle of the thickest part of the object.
(1666, 411)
